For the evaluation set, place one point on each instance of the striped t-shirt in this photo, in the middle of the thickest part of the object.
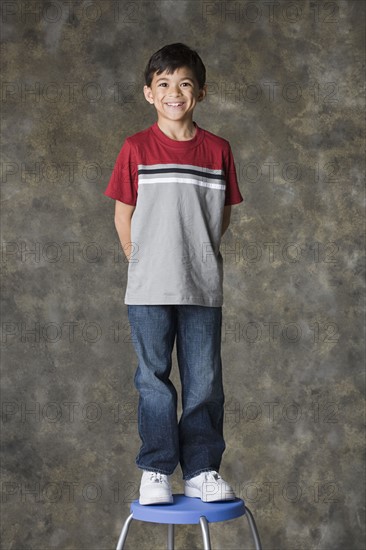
(179, 189)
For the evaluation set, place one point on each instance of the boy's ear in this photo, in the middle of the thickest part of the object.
(202, 93)
(148, 94)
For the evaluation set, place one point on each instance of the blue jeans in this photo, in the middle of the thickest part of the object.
(196, 441)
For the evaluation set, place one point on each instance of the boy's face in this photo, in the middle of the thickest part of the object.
(175, 95)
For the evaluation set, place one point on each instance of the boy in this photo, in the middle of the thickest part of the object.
(174, 184)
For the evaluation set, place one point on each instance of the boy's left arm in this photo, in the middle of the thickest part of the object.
(226, 219)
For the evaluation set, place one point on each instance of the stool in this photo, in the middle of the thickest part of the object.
(188, 510)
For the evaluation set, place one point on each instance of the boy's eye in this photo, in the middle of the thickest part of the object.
(164, 83)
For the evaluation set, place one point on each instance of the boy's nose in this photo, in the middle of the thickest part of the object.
(175, 95)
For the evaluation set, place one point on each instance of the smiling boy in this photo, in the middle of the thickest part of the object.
(174, 184)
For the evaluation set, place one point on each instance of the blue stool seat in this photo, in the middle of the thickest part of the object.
(187, 510)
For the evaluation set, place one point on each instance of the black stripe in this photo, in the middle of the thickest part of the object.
(182, 171)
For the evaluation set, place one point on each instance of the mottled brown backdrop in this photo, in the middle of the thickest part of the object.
(285, 83)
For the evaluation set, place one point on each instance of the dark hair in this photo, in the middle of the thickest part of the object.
(172, 57)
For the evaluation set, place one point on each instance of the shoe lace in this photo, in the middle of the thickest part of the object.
(156, 477)
(212, 476)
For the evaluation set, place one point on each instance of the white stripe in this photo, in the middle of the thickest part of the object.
(176, 175)
(141, 181)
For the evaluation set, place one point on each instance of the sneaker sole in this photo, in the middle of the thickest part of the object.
(196, 493)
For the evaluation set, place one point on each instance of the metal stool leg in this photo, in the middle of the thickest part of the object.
(123, 535)
(205, 533)
(170, 537)
(253, 529)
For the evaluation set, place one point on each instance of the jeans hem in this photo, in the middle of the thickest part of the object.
(157, 470)
(189, 476)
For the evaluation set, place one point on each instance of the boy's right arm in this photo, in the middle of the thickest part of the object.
(122, 220)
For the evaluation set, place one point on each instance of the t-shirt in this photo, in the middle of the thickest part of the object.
(179, 189)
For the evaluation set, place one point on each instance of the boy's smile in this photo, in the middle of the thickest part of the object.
(175, 96)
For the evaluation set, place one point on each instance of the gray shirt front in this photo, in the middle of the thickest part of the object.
(179, 189)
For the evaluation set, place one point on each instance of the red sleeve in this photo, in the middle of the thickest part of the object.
(232, 191)
(123, 184)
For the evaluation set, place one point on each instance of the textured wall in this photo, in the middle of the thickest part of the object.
(285, 88)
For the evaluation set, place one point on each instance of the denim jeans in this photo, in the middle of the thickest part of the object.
(196, 441)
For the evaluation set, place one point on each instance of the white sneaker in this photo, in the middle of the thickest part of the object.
(209, 487)
(155, 488)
